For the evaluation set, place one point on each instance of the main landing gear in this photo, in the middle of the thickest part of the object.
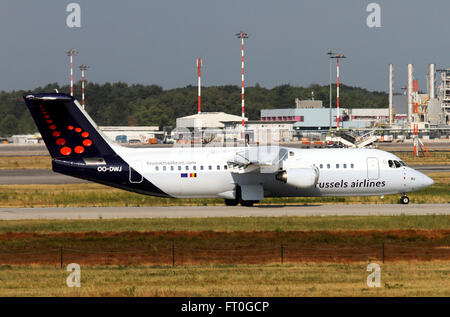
(231, 202)
(404, 200)
(238, 200)
(244, 203)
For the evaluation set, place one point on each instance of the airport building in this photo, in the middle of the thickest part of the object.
(209, 120)
(269, 132)
(310, 115)
(208, 127)
(125, 134)
(303, 118)
(26, 138)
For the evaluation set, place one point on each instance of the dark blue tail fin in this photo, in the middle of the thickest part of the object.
(67, 130)
(76, 146)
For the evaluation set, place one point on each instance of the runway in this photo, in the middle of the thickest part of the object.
(222, 211)
(45, 176)
(38, 176)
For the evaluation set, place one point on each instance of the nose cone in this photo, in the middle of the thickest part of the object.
(423, 181)
(426, 181)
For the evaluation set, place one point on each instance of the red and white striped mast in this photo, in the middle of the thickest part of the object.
(199, 66)
(83, 68)
(415, 117)
(338, 116)
(242, 35)
(70, 53)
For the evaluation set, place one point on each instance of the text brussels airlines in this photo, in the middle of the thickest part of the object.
(353, 184)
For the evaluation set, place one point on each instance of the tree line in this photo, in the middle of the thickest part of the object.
(139, 105)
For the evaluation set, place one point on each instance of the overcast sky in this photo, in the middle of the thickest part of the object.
(157, 42)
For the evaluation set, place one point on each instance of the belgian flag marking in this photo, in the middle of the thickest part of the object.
(190, 175)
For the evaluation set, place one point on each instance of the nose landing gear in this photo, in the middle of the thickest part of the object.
(404, 200)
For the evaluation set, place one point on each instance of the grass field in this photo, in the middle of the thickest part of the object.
(99, 195)
(112, 274)
(436, 158)
(44, 162)
(25, 162)
(312, 279)
(229, 224)
(225, 240)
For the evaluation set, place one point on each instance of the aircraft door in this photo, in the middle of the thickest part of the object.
(135, 176)
(373, 168)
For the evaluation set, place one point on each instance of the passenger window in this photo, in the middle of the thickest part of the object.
(328, 166)
(225, 167)
(187, 168)
(164, 168)
(194, 167)
(156, 168)
(397, 164)
(171, 168)
(179, 168)
(321, 165)
(201, 167)
(337, 165)
(345, 165)
(210, 167)
(352, 165)
(218, 167)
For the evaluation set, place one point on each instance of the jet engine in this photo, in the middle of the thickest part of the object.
(299, 177)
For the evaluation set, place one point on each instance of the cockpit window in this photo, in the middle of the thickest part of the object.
(395, 164)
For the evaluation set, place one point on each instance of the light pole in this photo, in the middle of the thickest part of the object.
(338, 116)
(70, 53)
(330, 53)
(242, 35)
(199, 66)
(83, 68)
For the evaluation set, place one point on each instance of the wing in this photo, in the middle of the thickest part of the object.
(268, 158)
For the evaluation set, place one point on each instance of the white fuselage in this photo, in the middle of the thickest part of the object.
(195, 172)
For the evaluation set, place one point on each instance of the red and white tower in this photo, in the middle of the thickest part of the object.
(199, 66)
(83, 68)
(242, 35)
(415, 118)
(71, 53)
(338, 115)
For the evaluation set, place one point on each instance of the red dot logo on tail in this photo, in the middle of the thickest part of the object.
(60, 141)
(79, 149)
(66, 150)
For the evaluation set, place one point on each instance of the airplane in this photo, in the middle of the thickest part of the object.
(241, 175)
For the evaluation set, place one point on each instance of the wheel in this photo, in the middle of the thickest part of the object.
(247, 203)
(404, 200)
(231, 202)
